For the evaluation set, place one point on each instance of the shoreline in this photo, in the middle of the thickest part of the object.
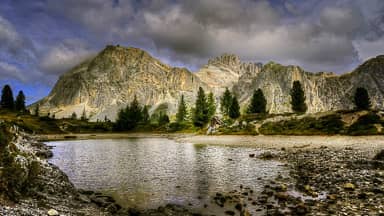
(258, 141)
(344, 161)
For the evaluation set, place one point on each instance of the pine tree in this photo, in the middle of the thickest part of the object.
(163, 119)
(211, 105)
(83, 115)
(37, 110)
(225, 102)
(129, 117)
(7, 101)
(135, 114)
(258, 102)
(20, 102)
(298, 98)
(361, 99)
(74, 116)
(121, 120)
(145, 115)
(200, 112)
(181, 114)
(234, 109)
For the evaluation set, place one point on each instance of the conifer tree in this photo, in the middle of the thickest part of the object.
(200, 113)
(258, 102)
(20, 102)
(225, 102)
(74, 116)
(211, 105)
(298, 98)
(163, 119)
(134, 112)
(7, 101)
(83, 115)
(37, 110)
(181, 114)
(234, 109)
(361, 99)
(145, 115)
(129, 117)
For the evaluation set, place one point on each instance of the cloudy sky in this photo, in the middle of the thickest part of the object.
(41, 39)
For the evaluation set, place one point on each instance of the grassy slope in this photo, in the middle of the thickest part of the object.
(365, 123)
(44, 125)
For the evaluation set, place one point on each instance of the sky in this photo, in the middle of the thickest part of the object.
(42, 39)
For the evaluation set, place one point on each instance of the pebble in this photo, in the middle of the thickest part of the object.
(52, 212)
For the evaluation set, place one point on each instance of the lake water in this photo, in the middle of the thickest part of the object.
(151, 172)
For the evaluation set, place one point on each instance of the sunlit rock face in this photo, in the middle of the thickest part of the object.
(102, 85)
(324, 91)
(225, 71)
(108, 82)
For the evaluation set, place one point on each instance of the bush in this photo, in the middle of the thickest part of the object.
(326, 125)
(379, 156)
(365, 125)
(15, 179)
(179, 126)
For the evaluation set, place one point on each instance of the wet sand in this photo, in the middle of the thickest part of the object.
(261, 141)
(278, 142)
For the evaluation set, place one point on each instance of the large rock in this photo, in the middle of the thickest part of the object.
(104, 84)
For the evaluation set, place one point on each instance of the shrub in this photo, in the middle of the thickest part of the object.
(379, 156)
(365, 125)
(326, 125)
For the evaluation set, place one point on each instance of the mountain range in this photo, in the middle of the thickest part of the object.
(102, 85)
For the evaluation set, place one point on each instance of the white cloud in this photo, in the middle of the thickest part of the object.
(8, 70)
(369, 49)
(65, 56)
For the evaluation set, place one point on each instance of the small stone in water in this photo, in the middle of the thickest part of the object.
(52, 212)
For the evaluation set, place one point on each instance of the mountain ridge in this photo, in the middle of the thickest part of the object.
(102, 85)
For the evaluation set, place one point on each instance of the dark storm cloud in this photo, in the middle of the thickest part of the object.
(331, 35)
(64, 56)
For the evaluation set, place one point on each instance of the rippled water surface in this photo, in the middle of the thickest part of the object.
(150, 172)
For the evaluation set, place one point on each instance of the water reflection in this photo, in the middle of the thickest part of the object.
(149, 172)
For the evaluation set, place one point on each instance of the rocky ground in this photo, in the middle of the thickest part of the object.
(327, 181)
(52, 193)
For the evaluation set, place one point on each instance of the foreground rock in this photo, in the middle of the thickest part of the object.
(328, 181)
(32, 186)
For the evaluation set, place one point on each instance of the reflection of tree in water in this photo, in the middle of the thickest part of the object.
(201, 172)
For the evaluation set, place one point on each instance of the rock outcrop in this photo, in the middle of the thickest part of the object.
(108, 82)
(324, 91)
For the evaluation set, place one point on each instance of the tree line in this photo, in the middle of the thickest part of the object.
(199, 115)
(9, 103)
(205, 107)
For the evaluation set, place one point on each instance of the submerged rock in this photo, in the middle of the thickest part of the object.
(52, 212)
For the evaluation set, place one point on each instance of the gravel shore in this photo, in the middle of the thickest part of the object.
(328, 175)
(368, 143)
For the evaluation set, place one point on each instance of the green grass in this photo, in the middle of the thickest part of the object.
(45, 125)
(327, 125)
(365, 125)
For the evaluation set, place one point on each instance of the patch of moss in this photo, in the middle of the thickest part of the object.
(365, 125)
(326, 125)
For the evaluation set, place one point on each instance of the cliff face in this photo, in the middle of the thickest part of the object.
(103, 85)
(225, 71)
(324, 91)
(108, 82)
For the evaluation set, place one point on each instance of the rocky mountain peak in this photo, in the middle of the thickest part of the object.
(372, 65)
(226, 59)
(104, 84)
